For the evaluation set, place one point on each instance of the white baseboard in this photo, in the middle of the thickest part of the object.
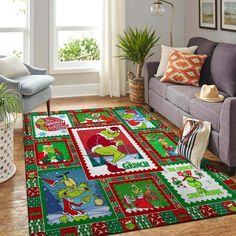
(75, 90)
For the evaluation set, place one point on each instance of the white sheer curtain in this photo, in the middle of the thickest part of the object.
(112, 78)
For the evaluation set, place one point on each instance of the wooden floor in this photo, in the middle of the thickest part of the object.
(13, 205)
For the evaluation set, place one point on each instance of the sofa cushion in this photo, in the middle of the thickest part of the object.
(159, 87)
(206, 111)
(165, 54)
(32, 84)
(180, 95)
(223, 68)
(184, 68)
(206, 47)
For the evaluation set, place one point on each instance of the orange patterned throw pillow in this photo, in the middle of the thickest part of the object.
(184, 68)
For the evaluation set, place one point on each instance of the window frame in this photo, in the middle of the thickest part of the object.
(56, 67)
(27, 32)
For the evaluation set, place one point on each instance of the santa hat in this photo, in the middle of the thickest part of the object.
(51, 182)
(131, 112)
(133, 122)
(48, 143)
(113, 129)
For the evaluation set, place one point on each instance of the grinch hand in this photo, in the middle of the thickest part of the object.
(104, 144)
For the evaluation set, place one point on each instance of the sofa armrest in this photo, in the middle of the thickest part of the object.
(227, 138)
(10, 83)
(150, 69)
(35, 71)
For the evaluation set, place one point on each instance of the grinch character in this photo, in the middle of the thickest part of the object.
(104, 144)
(96, 118)
(41, 124)
(137, 199)
(50, 154)
(170, 151)
(135, 120)
(69, 193)
(92, 118)
(193, 182)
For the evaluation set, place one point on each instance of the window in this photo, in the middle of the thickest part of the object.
(14, 28)
(75, 35)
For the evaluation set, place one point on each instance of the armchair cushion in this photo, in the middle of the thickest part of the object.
(35, 70)
(32, 84)
(12, 67)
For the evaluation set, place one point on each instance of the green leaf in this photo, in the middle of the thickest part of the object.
(85, 49)
(10, 103)
(136, 44)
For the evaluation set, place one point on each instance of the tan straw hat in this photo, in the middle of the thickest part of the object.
(209, 93)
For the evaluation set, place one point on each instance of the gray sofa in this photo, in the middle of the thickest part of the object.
(174, 101)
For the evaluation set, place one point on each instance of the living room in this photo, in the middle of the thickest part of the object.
(96, 150)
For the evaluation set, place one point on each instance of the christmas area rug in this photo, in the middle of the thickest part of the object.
(113, 170)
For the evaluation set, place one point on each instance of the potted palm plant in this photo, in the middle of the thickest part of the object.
(10, 105)
(136, 45)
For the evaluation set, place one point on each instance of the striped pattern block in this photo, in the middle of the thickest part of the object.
(184, 68)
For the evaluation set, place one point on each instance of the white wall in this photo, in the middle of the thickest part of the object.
(192, 25)
(137, 14)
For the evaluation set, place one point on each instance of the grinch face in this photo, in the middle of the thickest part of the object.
(135, 189)
(191, 179)
(109, 134)
(193, 182)
(128, 116)
(74, 192)
(48, 149)
(41, 121)
(83, 187)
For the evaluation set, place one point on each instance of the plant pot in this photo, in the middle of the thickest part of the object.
(7, 166)
(136, 88)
